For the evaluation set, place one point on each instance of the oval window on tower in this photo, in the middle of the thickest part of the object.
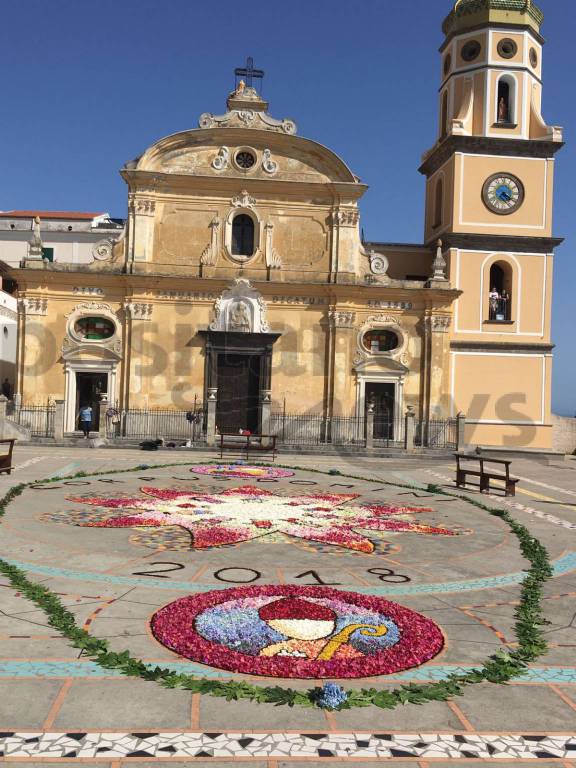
(471, 50)
(507, 48)
(94, 328)
(380, 340)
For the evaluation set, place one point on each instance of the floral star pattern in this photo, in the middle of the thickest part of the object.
(245, 513)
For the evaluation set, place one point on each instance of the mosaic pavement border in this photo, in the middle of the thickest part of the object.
(284, 744)
(430, 673)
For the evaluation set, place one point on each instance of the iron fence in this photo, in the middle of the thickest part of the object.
(154, 423)
(388, 431)
(317, 429)
(39, 419)
(437, 433)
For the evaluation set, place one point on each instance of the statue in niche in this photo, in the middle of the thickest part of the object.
(240, 317)
(503, 115)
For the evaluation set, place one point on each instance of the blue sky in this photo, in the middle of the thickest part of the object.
(89, 85)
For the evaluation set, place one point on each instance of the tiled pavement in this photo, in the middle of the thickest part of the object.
(51, 708)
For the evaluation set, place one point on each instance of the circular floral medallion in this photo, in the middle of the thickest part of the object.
(242, 470)
(293, 631)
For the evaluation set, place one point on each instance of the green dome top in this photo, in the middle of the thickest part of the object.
(471, 13)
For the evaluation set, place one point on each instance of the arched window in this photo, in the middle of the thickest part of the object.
(500, 293)
(438, 204)
(444, 116)
(506, 100)
(242, 235)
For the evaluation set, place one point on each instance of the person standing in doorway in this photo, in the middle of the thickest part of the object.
(7, 388)
(85, 418)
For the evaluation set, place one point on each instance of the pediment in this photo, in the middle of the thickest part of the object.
(380, 363)
(212, 152)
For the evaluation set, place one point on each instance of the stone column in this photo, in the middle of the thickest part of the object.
(211, 417)
(59, 420)
(3, 404)
(370, 408)
(409, 430)
(265, 412)
(438, 364)
(102, 420)
(343, 323)
(461, 432)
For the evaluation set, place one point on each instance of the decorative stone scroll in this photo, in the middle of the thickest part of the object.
(145, 207)
(243, 200)
(247, 110)
(346, 217)
(270, 166)
(241, 309)
(210, 253)
(220, 162)
(33, 305)
(439, 323)
(273, 258)
(102, 250)
(139, 310)
(341, 319)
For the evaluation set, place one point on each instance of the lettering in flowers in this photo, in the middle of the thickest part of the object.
(246, 513)
(244, 471)
(297, 632)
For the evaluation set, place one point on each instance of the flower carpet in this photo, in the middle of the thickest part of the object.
(297, 632)
(248, 512)
(278, 591)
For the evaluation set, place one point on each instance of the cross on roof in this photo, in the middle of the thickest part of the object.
(248, 73)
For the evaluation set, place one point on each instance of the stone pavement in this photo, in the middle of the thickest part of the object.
(441, 582)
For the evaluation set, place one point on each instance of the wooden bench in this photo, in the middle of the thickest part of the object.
(230, 441)
(6, 458)
(485, 475)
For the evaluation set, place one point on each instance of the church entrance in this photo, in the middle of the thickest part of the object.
(382, 394)
(239, 367)
(238, 392)
(89, 389)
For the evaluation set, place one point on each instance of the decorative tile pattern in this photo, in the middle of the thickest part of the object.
(281, 745)
(428, 674)
(563, 565)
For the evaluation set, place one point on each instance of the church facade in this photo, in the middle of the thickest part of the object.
(241, 275)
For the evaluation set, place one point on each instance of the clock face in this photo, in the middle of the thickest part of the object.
(503, 193)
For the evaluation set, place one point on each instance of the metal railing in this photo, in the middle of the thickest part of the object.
(437, 433)
(317, 429)
(39, 419)
(154, 423)
(499, 310)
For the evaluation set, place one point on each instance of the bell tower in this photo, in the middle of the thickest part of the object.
(489, 198)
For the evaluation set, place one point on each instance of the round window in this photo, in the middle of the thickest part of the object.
(507, 48)
(534, 57)
(245, 159)
(471, 50)
(447, 63)
(94, 328)
(380, 341)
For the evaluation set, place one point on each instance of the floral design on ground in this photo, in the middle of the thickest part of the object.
(244, 471)
(293, 631)
(245, 513)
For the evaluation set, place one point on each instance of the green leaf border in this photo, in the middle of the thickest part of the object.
(501, 667)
